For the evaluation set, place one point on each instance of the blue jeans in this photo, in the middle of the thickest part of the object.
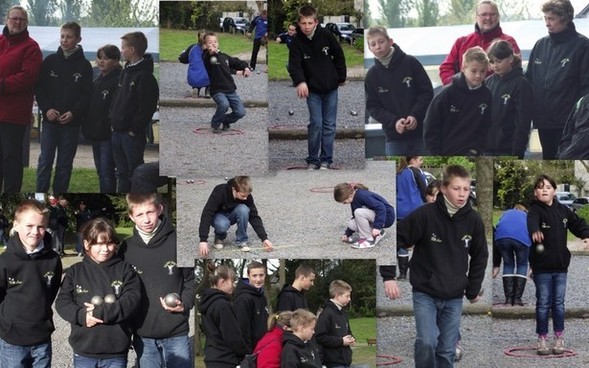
(321, 128)
(11, 156)
(513, 252)
(550, 293)
(407, 147)
(225, 101)
(223, 220)
(437, 322)
(173, 352)
(128, 154)
(35, 356)
(105, 165)
(64, 140)
(87, 362)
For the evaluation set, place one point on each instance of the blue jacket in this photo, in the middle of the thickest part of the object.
(411, 187)
(513, 224)
(384, 212)
(197, 76)
(261, 26)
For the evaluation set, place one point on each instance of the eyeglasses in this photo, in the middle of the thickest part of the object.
(488, 15)
(17, 19)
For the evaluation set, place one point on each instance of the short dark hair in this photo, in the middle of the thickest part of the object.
(562, 8)
(307, 11)
(110, 52)
(74, 27)
(454, 171)
(539, 183)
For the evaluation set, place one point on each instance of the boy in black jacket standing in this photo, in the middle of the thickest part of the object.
(220, 66)
(317, 66)
(229, 204)
(332, 332)
(132, 108)
(161, 336)
(30, 274)
(63, 93)
(450, 243)
(291, 297)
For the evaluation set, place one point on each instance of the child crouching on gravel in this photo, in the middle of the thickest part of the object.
(371, 214)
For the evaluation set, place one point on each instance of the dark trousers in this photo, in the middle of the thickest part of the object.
(11, 157)
(255, 50)
(550, 139)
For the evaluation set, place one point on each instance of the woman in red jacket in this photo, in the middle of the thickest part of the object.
(20, 61)
(269, 348)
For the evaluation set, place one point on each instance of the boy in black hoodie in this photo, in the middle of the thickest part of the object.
(132, 108)
(448, 264)
(63, 93)
(317, 66)
(332, 332)
(220, 66)
(291, 297)
(457, 119)
(251, 306)
(161, 336)
(299, 350)
(231, 203)
(30, 273)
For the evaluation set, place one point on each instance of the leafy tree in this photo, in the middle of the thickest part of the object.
(484, 175)
(395, 12)
(40, 12)
(70, 10)
(122, 13)
(428, 11)
(461, 11)
(277, 18)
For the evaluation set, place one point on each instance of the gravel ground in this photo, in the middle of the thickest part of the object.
(284, 202)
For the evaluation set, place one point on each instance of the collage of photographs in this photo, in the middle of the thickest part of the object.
(294, 183)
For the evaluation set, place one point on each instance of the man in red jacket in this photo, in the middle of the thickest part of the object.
(20, 62)
(486, 30)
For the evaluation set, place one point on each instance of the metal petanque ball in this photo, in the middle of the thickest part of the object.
(171, 300)
(97, 300)
(353, 112)
(214, 60)
(290, 112)
(540, 248)
(110, 299)
(258, 72)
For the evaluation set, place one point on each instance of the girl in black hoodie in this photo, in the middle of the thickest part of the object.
(224, 346)
(98, 297)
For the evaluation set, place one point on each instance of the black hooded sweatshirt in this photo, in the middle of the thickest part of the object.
(81, 283)
(31, 282)
(297, 353)
(224, 346)
(332, 325)
(290, 299)
(251, 311)
(96, 124)
(160, 275)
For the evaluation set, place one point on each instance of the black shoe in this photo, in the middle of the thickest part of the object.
(207, 92)
(217, 130)
(226, 127)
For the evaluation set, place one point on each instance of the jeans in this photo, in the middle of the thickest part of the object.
(87, 362)
(58, 238)
(225, 101)
(407, 147)
(437, 322)
(35, 356)
(105, 165)
(321, 128)
(223, 220)
(513, 252)
(64, 139)
(550, 139)
(128, 154)
(550, 293)
(11, 157)
(173, 352)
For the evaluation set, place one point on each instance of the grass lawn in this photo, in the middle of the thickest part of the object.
(173, 42)
(82, 181)
(363, 328)
(278, 56)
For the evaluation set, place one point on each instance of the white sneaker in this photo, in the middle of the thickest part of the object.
(218, 244)
(380, 236)
(363, 244)
(244, 247)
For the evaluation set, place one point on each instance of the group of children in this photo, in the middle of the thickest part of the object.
(114, 110)
(292, 337)
(114, 298)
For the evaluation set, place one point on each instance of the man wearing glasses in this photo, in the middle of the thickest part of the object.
(486, 30)
(20, 62)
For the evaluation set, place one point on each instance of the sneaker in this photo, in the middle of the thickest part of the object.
(325, 166)
(542, 347)
(226, 127)
(207, 93)
(379, 237)
(217, 130)
(459, 353)
(312, 167)
(363, 244)
(558, 347)
(244, 247)
(218, 244)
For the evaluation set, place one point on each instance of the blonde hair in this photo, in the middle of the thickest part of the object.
(344, 190)
(30, 205)
(339, 287)
(376, 31)
(242, 184)
(137, 199)
(475, 54)
(281, 320)
(301, 318)
(219, 273)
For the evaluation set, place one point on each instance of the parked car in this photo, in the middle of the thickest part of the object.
(579, 203)
(356, 35)
(235, 25)
(565, 198)
(341, 30)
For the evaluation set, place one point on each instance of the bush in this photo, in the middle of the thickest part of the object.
(583, 212)
(359, 45)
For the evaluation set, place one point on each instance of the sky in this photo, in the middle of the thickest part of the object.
(578, 5)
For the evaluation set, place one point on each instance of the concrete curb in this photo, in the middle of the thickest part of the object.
(204, 102)
(407, 310)
(484, 309)
(301, 133)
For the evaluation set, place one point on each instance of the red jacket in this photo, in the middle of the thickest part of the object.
(20, 62)
(453, 62)
(269, 349)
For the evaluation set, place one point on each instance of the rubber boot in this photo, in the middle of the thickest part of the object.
(520, 286)
(403, 264)
(508, 286)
